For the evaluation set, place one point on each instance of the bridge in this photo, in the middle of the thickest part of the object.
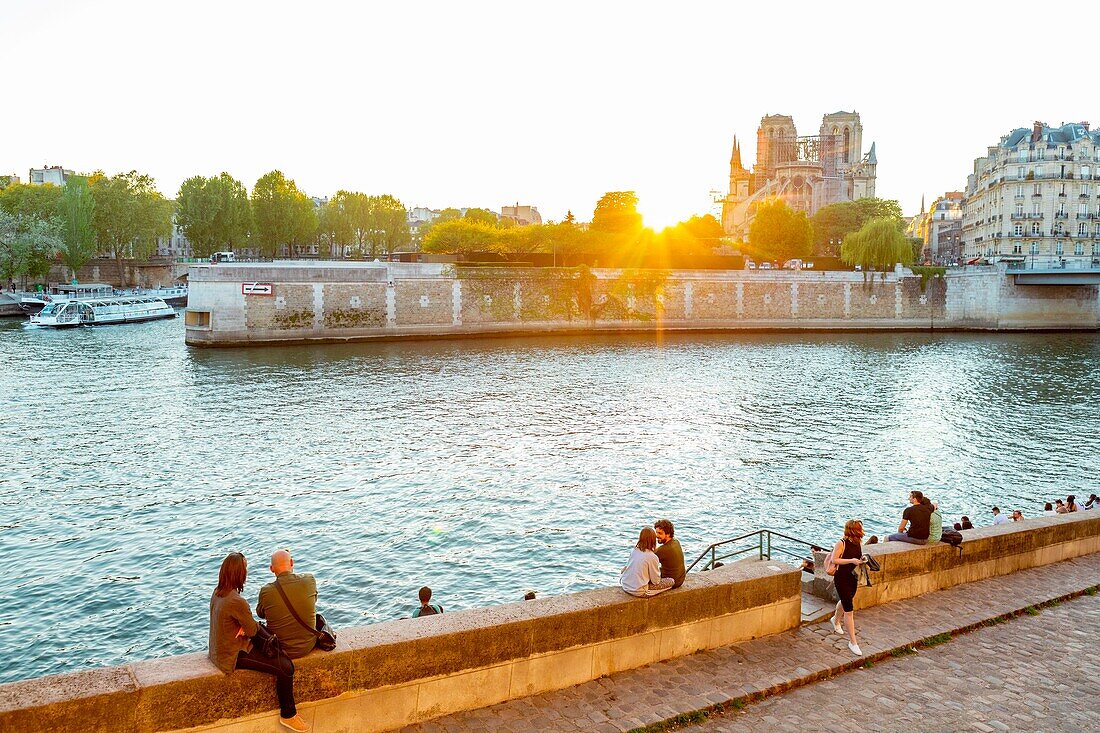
(1054, 272)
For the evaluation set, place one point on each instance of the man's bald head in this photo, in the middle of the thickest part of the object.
(281, 562)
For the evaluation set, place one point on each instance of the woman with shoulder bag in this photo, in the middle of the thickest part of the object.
(236, 640)
(845, 557)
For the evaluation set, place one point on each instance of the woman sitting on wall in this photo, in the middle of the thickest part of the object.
(232, 629)
(642, 575)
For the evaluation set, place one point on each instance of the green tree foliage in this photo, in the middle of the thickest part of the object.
(834, 222)
(878, 244)
(388, 225)
(28, 246)
(36, 202)
(779, 233)
(76, 214)
(213, 213)
(617, 214)
(463, 236)
(282, 215)
(130, 214)
(482, 215)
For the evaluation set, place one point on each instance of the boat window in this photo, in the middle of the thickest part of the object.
(48, 310)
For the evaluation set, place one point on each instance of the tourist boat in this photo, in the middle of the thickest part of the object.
(102, 311)
(34, 302)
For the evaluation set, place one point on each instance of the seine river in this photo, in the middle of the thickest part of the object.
(131, 464)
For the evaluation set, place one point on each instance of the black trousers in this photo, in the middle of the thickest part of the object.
(282, 669)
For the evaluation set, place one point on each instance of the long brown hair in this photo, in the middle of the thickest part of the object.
(232, 575)
(647, 539)
(853, 530)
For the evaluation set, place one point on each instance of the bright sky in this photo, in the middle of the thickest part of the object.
(549, 104)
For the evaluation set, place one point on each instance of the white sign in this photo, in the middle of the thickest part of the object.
(257, 288)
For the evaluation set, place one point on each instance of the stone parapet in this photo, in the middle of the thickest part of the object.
(389, 674)
(344, 301)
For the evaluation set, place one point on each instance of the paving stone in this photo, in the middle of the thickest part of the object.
(962, 685)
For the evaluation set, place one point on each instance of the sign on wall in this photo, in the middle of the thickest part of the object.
(257, 288)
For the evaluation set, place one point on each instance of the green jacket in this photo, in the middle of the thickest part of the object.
(296, 640)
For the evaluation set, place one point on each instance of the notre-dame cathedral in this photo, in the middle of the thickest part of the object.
(807, 172)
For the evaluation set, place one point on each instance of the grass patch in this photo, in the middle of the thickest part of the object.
(901, 651)
(937, 639)
(867, 665)
(1090, 591)
(737, 704)
(1031, 611)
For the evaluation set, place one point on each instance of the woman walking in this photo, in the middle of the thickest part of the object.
(847, 554)
(231, 630)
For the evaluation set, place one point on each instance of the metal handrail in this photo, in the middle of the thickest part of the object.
(763, 546)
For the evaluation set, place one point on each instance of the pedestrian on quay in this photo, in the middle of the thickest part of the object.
(1060, 507)
(427, 608)
(1017, 515)
(233, 642)
(1048, 510)
(964, 524)
(998, 518)
(669, 552)
(915, 521)
(641, 576)
(1093, 502)
(1071, 503)
(846, 555)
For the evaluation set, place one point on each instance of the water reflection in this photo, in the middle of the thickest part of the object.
(132, 464)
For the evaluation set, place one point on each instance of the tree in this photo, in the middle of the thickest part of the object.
(834, 222)
(463, 236)
(36, 202)
(213, 213)
(617, 214)
(779, 233)
(76, 212)
(28, 246)
(282, 215)
(387, 225)
(130, 214)
(482, 215)
(878, 244)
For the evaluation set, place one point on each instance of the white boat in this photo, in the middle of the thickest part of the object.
(34, 302)
(102, 311)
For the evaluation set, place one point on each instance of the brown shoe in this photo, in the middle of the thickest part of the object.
(296, 724)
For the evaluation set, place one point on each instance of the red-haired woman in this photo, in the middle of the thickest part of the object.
(642, 575)
(231, 630)
(847, 554)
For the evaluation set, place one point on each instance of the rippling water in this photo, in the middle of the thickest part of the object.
(132, 464)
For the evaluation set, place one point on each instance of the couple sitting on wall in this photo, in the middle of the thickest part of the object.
(237, 641)
(656, 563)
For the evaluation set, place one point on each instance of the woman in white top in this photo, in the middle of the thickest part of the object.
(642, 575)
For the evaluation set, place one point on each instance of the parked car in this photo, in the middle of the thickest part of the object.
(749, 264)
(766, 266)
(795, 264)
(222, 257)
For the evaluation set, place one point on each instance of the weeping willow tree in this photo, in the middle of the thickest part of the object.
(879, 244)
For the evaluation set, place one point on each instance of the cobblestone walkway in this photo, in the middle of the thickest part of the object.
(1034, 673)
(665, 690)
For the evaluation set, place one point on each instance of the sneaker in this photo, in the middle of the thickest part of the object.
(855, 649)
(296, 724)
(838, 628)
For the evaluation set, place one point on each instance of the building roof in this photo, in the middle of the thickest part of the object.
(1069, 132)
(871, 157)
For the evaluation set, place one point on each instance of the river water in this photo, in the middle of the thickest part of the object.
(131, 464)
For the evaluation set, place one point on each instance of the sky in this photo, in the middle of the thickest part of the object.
(493, 103)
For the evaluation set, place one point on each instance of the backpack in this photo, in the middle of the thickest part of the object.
(830, 566)
(952, 537)
(428, 610)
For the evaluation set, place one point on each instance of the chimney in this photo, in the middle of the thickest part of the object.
(1037, 132)
(1085, 125)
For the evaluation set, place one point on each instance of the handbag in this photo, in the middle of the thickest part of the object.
(830, 566)
(872, 564)
(267, 642)
(326, 635)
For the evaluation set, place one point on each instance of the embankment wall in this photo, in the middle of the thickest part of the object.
(387, 675)
(363, 301)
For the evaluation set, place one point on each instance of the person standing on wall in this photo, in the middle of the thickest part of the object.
(846, 555)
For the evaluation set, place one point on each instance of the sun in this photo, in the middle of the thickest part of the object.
(657, 217)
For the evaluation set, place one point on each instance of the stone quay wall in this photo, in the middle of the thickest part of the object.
(335, 301)
(387, 675)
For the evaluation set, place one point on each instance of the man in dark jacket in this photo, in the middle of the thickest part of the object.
(669, 552)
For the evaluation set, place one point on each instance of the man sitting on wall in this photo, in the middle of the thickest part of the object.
(918, 518)
(301, 590)
(669, 552)
(998, 518)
